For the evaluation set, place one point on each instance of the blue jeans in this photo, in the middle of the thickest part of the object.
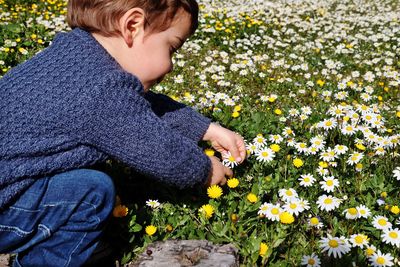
(58, 220)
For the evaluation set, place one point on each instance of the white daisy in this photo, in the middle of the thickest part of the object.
(329, 183)
(358, 240)
(340, 149)
(287, 194)
(251, 148)
(228, 160)
(288, 132)
(259, 141)
(381, 259)
(311, 260)
(322, 171)
(363, 211)
(301, 147)
(337, 246)
(328, 202)
(354, 158)
(263, 208)
(381, 223)
(391, 236)
(153, 203)
(328, 155)
(273, 212)
(327, 124)
(317, 142)
(293, 207)
(348, 129)
(265, 154)
(351, 213)
(396, 173)
(306, 180)
(276, 138)
(315, 222)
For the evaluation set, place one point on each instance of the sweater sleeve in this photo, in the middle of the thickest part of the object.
(178, 116)
(122, 124)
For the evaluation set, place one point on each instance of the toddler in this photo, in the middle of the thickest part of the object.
(84, 99)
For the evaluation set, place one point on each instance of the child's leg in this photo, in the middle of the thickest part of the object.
(58, 220)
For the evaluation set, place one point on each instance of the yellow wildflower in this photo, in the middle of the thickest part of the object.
(275, 147)
(395, 210)
(150, 230)
(263, 249)
(298, 162)
(209, 152)
(252, 198)
(214, 191)
(286, 218)
(232, 182)
(206, 210)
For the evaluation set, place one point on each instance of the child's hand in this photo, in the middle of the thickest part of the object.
(218, 172)
(224, 140)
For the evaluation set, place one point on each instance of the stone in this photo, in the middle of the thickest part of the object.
(177, 253)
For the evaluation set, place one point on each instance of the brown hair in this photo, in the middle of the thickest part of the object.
(102, 16)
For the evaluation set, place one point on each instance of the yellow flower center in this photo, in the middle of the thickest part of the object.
(275, 211)
(289, 193)
(293, 205)
(333, 243)
(311, 262)
(328, 123)
(370, 251)
(352, 211)
(380, 260)
(264, 154)
(393, 235)
(328, 201)
(306, 179)
(314, 220)
(329, 183)
(359, 239)
(382, 222)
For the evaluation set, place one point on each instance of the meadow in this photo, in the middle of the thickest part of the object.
(313, 86)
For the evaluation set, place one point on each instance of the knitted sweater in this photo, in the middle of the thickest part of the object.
(72, 105)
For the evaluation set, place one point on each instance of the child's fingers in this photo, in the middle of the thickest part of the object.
(228, 172)
(242, 148)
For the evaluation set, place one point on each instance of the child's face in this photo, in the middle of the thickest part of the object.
(151, 53)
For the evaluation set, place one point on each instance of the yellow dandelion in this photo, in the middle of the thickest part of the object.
(237, 108)
(252, 198)
(286, 218)
(206, 210)
(263, 249)
(395, 210)
(235, 114)
(209, 152)
(278, 111)
(232, 182)
(361, 147)
(298, 162)
(150, 230)
(275, 147)
(214, 191)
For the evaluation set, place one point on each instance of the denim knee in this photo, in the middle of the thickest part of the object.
(101, 186)
(86, 186)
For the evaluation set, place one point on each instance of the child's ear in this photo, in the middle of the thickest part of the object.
(131, 24)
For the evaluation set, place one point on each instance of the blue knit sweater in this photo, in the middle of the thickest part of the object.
(72, 105)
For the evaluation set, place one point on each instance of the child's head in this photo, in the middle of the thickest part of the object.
(141, 35)
(101, 16)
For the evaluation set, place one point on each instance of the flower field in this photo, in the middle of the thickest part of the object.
(313, 86)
